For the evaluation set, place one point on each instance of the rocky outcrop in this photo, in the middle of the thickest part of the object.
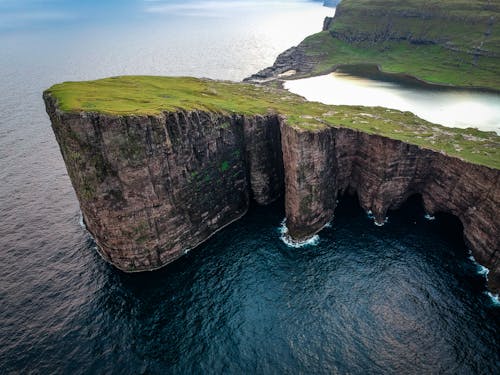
(384, 172)
(153, 187)
(327, 22)
(293, 59)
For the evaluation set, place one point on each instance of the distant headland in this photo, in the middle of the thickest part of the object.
(451, 43)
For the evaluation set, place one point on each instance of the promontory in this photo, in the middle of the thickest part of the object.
(447, 42)
(160, 164)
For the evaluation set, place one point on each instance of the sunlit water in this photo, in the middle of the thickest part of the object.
(445, 106)
(398, 299)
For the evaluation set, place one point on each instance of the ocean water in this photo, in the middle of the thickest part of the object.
(404, 298)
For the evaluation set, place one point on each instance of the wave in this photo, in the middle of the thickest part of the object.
(289, 241)
(484, 271)
(81, 221)
(429, 217)
(370, 215)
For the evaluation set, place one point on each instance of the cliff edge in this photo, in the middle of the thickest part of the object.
(161, 170)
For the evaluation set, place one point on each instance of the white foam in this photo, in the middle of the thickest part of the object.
(382, 223)
(429, 217)
(495, 298)
(289, 241)
(81, 222)
(370, 215)
(328, 225)
(481, 270)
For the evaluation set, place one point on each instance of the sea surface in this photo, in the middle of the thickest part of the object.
(404, 298)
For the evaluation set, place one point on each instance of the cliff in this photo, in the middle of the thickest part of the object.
(161, 170)
(320, 166)
(447, 42)
(153, 187)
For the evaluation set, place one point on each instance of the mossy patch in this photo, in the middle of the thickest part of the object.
(224, 166)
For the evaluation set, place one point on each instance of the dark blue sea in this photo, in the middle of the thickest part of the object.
(405, 298)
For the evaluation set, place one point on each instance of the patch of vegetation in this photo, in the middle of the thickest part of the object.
(224, 166)
(88, 190)
(146, 95)
(141, 232)
(429, 63)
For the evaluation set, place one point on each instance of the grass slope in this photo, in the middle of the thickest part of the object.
(455, 42)
(149, 95)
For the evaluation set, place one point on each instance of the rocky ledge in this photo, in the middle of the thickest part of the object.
(155, 180)
(294, 61)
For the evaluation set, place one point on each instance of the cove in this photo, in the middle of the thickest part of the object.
(366, 85)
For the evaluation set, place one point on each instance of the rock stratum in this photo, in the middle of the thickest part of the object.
(162, 170)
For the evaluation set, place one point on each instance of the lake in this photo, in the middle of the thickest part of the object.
(442, 105)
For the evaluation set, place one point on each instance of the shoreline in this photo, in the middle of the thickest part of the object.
(396, 78)
(399, 77)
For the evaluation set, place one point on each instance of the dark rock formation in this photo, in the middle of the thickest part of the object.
(384, 173)
(327, 22)
(293, 59)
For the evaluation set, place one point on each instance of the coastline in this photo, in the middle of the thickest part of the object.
(396, 77)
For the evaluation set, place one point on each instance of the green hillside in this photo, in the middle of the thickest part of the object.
(452, 42)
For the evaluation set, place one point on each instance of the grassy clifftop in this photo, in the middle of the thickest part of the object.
(453, 42)
(470, 26)
(148, 95)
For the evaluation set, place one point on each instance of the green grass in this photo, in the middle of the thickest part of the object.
(451, 42)
(433, 64)
(148, 95)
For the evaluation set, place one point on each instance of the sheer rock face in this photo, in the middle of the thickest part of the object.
(153, 187)
(384, 173)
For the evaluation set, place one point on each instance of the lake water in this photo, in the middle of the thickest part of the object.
(402, 298)
(445, 106)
